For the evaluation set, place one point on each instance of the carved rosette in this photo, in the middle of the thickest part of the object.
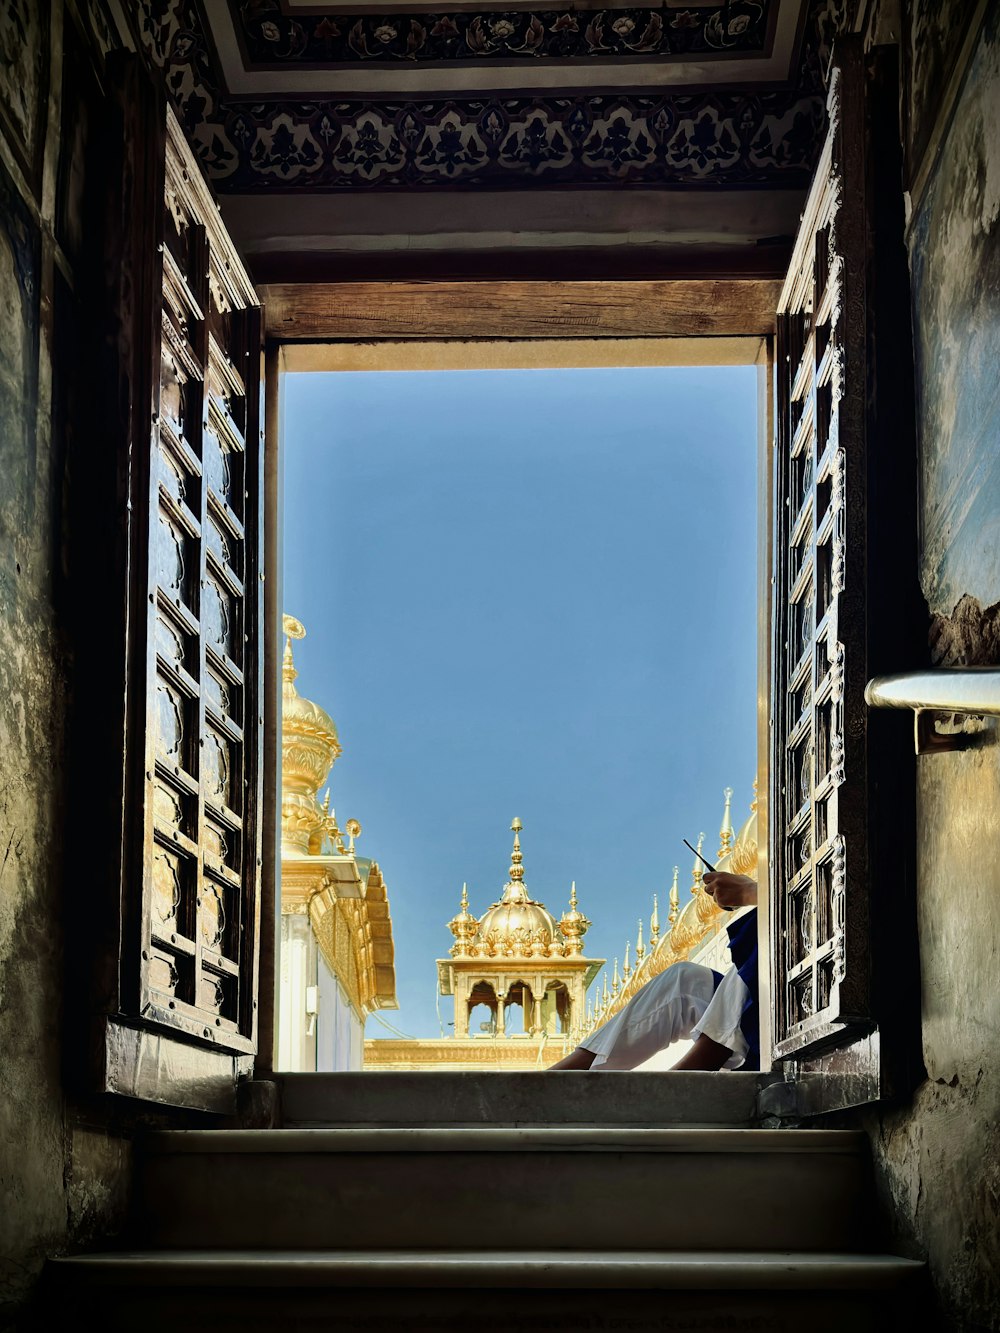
(838, 904)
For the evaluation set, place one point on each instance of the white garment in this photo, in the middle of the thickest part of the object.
(678, 1004)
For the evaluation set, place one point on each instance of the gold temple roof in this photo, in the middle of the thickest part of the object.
(517, 925)
(690, 926)
(343, 895)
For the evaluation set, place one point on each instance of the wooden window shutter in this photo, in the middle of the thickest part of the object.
(843, 533)
(190, 361)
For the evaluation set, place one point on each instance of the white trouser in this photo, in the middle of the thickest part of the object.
(678, 1004)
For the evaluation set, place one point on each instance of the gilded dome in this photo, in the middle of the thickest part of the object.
(517, 926)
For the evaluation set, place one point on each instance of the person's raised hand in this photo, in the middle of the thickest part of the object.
(730, 891)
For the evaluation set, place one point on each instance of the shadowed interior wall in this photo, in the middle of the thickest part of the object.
(939, 1159)
(63, 1172)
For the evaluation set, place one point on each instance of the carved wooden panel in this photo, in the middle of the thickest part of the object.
(819, 848)
(201, 846)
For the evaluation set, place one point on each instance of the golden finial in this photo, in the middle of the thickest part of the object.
(626, 966)
(590, 1013)
(640, 948)
(697, 872)
(605, 997)
(292, 629)
(326, 803)
(516, 868)
(726, 828)
(353, 831)
(616, 985)
(675, 900)
(573, 924)
(462, 926)
(654, 924)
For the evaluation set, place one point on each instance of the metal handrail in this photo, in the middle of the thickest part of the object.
(974, 691)
(946, 690)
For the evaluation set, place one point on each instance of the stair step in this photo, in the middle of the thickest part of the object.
(494, 1292)
(377, 1189)
(471, 1098)
(741, 1270)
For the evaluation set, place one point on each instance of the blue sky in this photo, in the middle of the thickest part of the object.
(526, 593)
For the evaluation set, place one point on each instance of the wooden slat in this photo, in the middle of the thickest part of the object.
(664, 308)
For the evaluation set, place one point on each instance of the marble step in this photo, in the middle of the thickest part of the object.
(459, 1098)
(617, 1188)
(492, 1291)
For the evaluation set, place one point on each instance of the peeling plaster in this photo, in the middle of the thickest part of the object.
(955, 266)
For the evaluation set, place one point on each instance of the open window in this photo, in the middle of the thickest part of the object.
(181, 1008)
(188, 398)
(841, 791)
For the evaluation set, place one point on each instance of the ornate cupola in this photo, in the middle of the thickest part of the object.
(517, 926)
(516, 957)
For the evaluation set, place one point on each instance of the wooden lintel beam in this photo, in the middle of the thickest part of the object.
(674, 308)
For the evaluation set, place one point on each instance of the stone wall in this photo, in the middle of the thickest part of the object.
(939, 1158)
(63, 1172)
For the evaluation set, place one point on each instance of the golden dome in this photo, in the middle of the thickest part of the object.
(309, 746)
(517, 926)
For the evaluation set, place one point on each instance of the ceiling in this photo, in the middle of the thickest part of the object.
(380, 138)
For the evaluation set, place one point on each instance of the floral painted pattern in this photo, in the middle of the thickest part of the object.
(273, 38)
(495, 141)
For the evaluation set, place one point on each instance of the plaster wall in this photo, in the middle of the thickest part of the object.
(63, 1170)
(938, 1159)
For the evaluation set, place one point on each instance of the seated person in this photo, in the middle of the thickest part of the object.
(690, 1001)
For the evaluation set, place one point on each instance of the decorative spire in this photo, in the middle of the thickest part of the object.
(462, 926)
(515, 890)
(675, 901)
(697, 873)
(328, 828)
(574, 925)
(590, 1013)
(309, 746)
(726, 828)
(654, 925)
(615, 983)
(640, 948)
(605, 997)
(516, 868)
(626, 966)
